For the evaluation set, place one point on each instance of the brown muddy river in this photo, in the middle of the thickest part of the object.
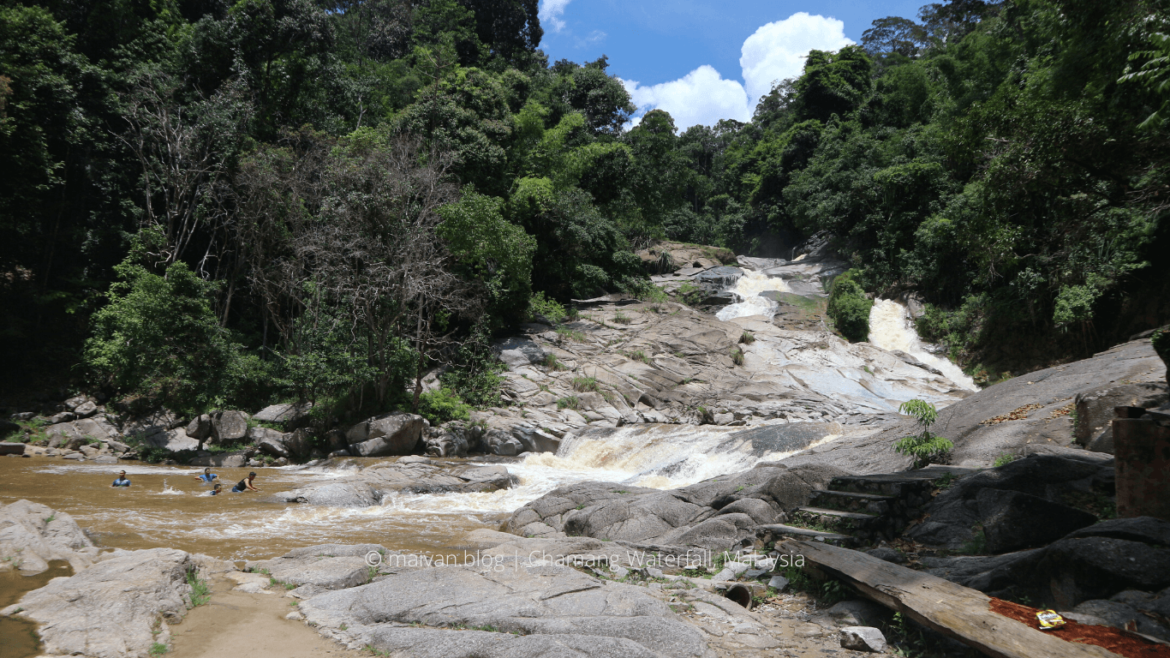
(166, 506)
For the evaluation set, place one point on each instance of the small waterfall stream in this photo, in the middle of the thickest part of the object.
(890, 328)
(747, 289)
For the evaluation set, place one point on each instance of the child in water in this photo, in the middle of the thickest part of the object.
(216, 490)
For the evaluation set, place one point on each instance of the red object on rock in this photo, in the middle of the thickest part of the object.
(1107, 637)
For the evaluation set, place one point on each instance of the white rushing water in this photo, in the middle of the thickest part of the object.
(890, 328)
(747, 289)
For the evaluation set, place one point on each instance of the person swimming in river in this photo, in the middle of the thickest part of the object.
(121, 481)
(245, 484)
(216, 490)
(207, 477)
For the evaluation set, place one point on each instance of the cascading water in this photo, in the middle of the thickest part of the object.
(747, 289)
(890, 328)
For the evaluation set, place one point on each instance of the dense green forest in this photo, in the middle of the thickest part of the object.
(208, 203)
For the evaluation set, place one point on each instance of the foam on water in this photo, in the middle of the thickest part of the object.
(747, 290)
(890, 328)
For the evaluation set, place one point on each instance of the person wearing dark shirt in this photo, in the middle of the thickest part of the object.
(207, 477)
(121, 481)
(245, 484)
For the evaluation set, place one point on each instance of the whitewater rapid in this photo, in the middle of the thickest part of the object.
(891, 328)
(747, 290)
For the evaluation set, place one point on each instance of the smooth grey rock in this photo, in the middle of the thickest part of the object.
(1119, 615)
(449, 441)
(200, 427)
(863, 638)
(230, 425)
(175, 440)
(12, 448)
(1085, 568)
(32, 534)
(268, 441)
(519, 352)
(778, 583)
(388, 434)
(535, 440)
(327, 572)
(1094, 408)
(550, 606)
(86, 409)
(111, 609)
(858, 612)
(290, 416)
(1013, 520)
(887, 554)
(499, 442)
(952, 515)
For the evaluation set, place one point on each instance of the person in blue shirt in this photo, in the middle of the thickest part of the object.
(215, 491)
(121, 481)
(208, 477)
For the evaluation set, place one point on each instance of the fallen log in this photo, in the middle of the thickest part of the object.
(953, 610)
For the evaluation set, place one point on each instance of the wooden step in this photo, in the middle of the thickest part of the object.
(781, 530)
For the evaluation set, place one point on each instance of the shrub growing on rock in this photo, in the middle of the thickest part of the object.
(849, 308)
(925, 446)
(442, 405)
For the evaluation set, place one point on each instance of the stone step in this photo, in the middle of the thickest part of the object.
(863, 526)
(780, 530)
(850, 502)
(896, 484)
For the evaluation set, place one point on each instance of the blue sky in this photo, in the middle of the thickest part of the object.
(705, 60)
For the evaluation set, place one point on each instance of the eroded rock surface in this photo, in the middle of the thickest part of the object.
(716, 514)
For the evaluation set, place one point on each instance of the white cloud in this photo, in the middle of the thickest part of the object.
(776, 51)
(551, 12)
(701, 97)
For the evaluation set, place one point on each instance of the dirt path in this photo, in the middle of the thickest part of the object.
(239, 624)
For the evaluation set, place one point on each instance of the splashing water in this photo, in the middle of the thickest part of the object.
(890, 328)
(747, 289)
(168, 491)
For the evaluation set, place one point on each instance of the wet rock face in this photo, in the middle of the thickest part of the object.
(409, 474)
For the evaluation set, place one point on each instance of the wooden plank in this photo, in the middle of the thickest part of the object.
(948, 608)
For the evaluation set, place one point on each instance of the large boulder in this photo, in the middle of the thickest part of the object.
(953, 515)
(290, 416)
(389, 434)
(451, 440)
(293, 445)
(227, 426)
(1013, 520)
(200, 427)
(535, 440)
(31, 535)
(76, 432)
(118, 608)
(175, 440)
(528, 608)
(1094, 427)
(499, 442)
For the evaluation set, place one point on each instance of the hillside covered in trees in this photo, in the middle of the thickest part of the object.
(206, 203)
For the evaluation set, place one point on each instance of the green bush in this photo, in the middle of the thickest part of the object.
(159, 338)
(539, 305)
(849, 308)
(443, 405)
(925, 446)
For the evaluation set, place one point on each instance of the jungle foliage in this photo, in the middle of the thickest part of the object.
(326, 199)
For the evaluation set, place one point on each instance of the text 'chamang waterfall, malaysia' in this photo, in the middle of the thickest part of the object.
(557, 329)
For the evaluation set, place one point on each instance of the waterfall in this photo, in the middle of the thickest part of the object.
(890, 328)
(747, 289)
